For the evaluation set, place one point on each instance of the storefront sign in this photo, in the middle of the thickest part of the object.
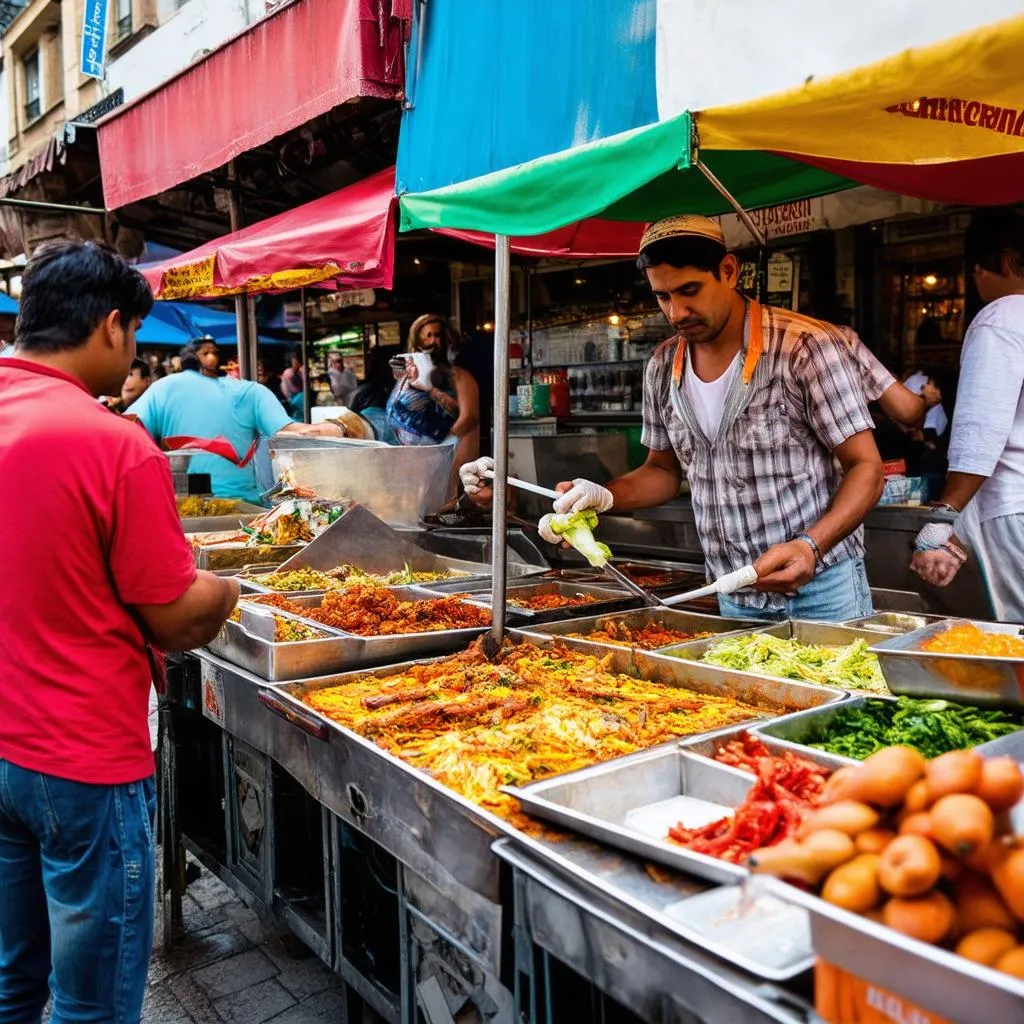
(780, 274)
(190, 278)
(94, 37)
(783, 221)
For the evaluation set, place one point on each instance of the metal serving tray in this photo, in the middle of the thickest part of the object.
(607, 599)
(825, 634)
(360, 538)
(245, 647)
(244, 514)
(251, 584)
(670, 618)
(894, 623)
(933, 978)
(655, 946)
(238, 556)
(971, 679)
(401, 807)
(709, 744)
(796, 731)
(632, 802)
(680, 576)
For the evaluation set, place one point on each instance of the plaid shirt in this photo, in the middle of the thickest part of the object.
(875, 378)
(769, 473)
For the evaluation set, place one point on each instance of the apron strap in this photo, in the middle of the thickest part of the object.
(755, 346)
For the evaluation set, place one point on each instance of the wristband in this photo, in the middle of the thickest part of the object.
(808, 539)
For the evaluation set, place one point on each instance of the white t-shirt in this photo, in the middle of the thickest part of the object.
(988, 421)
(708, 397)
(935, 419)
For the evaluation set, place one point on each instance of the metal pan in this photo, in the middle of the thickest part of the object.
(400, 807)
(237, 556)
(894, 623)
(710, 743)
(670, 618)
(304, 659)
(606, 599)
(243, 514)
(795, 732)
(463, 584)
(825, 634)
(929, 976)
(632, 802)
(966, 678)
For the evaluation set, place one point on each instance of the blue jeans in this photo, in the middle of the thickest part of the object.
(834, 595)
(77, 879)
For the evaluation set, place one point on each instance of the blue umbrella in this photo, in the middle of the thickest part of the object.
(8, 307)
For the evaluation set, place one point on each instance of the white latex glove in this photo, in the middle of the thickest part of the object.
(940, 566)
(933, 536)
(583, 495)
(474, 474)
(545, 531)
(421, 366)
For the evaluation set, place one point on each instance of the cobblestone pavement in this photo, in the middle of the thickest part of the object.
(231, 967)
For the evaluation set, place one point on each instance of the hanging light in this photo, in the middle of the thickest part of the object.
(930, 280)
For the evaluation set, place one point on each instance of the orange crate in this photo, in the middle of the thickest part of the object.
(843, 998)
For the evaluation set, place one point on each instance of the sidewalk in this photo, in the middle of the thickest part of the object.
(229, 967)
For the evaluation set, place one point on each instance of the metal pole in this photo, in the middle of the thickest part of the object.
(499, 527)
(32, 204)
(748, 221)
(306, 389)
(246, 366)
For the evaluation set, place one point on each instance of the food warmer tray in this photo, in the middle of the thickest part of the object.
(631, 803)
(670, 618)
(250, 584)
(966, 678)
(400, 807)
(608, 599)
(236, 557)
(825, 634)
(933, 978)
(248, 646)
(606, 916)
(894, 623)
(709, 743)
(362, 539)
(795, 732)
(244, 514)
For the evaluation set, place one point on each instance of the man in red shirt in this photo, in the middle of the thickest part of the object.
(96, 565)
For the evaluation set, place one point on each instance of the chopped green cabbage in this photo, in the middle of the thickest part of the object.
(852, 667)
(577, 529)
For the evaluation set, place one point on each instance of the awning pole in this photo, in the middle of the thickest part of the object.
(499, 527)
(307, 411)
(36, 204)
(748, 221)
(246, 364)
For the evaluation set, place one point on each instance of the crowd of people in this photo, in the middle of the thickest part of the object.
(764, 412)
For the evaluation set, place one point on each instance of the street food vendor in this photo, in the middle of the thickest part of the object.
(986, 448)
(764, 412)
(96, 567)
(201, 402)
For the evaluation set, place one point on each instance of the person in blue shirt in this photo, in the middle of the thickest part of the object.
(200, 402)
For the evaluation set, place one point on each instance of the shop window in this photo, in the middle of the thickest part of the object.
(33, 87)
(123, 13)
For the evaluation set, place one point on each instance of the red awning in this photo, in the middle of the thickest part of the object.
(348, 237)
(288, 68)
(585, 240)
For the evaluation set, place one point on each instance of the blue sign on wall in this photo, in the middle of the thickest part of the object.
(94, 37)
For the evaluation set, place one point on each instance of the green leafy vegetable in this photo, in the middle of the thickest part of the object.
(577, 529)
(853, 666)
(932, 727)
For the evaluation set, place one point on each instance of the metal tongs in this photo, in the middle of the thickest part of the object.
(616, 574)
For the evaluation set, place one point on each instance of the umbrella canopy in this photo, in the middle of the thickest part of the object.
(962, 141)
(347, 236)
(8, 307)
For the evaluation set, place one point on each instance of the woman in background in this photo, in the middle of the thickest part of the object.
(434, 401)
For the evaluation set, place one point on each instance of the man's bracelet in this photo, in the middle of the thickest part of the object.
(808, 539)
